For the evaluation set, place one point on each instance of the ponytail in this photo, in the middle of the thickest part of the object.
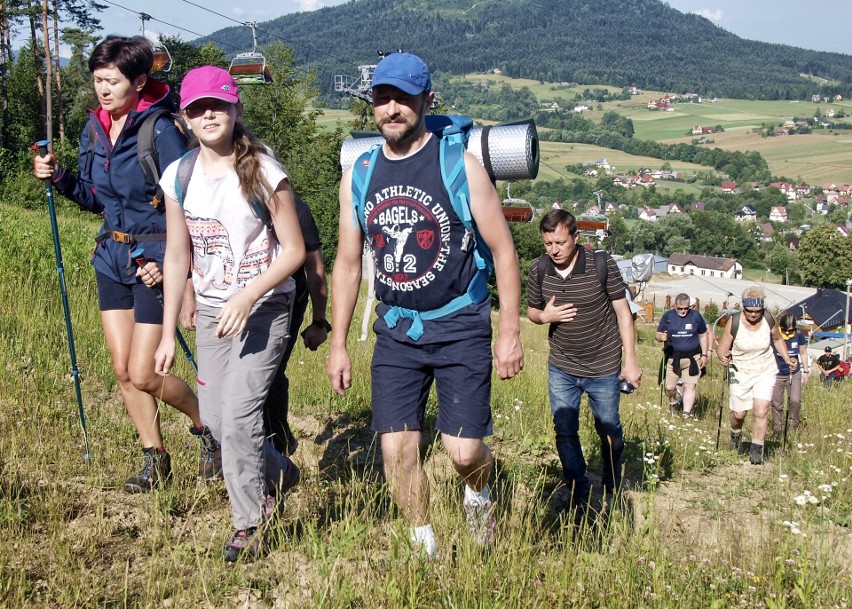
(247, 163)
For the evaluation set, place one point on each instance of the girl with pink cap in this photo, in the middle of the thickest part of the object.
(234, 226)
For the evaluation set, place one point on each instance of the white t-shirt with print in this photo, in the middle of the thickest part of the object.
(230, 245)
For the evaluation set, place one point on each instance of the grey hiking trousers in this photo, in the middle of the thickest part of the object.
(234, 375)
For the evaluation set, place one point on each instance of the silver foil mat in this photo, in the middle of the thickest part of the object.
(508, 152)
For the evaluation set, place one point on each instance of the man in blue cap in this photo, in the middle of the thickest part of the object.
(423, 262)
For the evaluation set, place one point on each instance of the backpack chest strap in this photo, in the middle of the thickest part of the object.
(476, 293)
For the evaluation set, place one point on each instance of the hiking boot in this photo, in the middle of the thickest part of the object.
(736, 441)
(246, 545)
(755, 454)
(156, 471)
(481, 522)
(210, 464)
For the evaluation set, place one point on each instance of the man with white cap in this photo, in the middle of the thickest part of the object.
(423, 262)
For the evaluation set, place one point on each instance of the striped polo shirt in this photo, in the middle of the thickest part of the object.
(589, 345)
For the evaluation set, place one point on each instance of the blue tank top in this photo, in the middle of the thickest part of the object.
(416, 238)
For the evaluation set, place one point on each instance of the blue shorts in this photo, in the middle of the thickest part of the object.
(402, 375)
(113, 295)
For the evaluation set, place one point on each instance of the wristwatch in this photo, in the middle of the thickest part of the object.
(322, 323)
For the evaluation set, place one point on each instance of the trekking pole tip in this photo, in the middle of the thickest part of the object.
(87, 458)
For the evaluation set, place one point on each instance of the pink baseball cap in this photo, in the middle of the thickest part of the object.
(208, 81)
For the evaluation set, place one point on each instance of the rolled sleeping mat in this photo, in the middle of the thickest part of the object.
(508, 152)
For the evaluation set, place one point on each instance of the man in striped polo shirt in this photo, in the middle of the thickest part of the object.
(591, 332)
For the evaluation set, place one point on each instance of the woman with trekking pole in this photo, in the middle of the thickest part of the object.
(232, 221)
(787, 381)
(111, 181)
(746, 348)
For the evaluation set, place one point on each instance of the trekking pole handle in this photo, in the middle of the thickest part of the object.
(42, 148)
(138, 256)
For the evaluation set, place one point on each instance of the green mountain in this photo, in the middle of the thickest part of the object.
(645, 43)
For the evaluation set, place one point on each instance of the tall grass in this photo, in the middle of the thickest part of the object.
(697, 527)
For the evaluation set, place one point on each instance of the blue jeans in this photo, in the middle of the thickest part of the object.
(565, 392)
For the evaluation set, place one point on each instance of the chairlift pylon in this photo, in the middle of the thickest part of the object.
(250, 68)
(162, 57)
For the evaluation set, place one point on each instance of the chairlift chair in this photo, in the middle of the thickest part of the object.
(250, 68)
(517, 210)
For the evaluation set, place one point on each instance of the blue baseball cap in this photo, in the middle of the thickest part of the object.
(404, 71)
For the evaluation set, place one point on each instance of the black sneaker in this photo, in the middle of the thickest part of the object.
(246, 545)
(755, 454)
(210, 464)
(156, 471)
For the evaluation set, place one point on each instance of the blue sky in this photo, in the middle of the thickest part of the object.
(811, 25)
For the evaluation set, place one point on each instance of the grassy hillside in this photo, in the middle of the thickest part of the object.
(696, 527)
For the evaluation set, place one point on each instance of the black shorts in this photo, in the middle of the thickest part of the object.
(402, 375)
(113, 296)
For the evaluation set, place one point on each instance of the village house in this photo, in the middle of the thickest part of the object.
(792, 243)
(729, 188)
(843, 230)
(746, 214)
(697, 206)
(778, 214)
(699, 130)
(766, 231)
(610, 207)
(648, 214)
(704, 266)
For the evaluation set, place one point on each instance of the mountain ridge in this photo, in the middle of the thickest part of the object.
(645, 43)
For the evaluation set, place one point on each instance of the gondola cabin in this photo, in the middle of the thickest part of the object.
(162, 59)
(250, 69)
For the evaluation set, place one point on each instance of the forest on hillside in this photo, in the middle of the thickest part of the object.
(645, 43)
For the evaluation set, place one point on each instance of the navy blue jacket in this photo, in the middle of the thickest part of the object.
(111, 182)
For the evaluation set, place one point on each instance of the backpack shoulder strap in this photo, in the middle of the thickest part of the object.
(146, 151)
(735, 320)
(452, 147)
(362, 172)
(184, 174)
(769, 319)
(600, 269)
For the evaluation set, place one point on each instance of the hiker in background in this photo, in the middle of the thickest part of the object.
(112, 182)
(581, 295)
(788, 381)
(829, 367)
(425, 264)
(234, 225)
(746, 348)
(684, 334)
(310, 282)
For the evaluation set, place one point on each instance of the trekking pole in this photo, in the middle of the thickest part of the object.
(41, 148)
(139, 258)
(725, 379)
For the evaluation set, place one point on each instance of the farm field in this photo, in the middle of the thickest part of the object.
(815, 158)
(696, 526)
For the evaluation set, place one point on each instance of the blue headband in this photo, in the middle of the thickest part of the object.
(752, 302)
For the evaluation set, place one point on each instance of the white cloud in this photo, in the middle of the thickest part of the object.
(238, 11)
(715, 16)
(309, 5)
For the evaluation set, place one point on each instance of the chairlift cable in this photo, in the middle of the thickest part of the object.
(269, 34)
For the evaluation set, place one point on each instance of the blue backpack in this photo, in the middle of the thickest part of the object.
(453, 131)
